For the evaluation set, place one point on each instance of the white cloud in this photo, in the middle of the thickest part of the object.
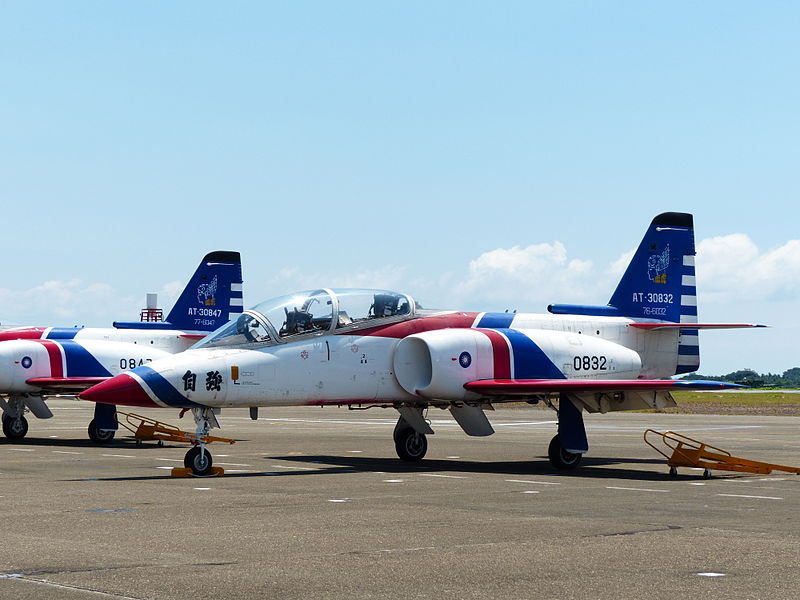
(617, 268)
(527, 278)
(732, 267)
(67, 302)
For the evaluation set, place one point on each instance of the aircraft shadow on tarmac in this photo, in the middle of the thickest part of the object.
(594, 468)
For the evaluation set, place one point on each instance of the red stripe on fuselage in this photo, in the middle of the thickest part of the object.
(23, 333)
(500, 353)
(56, 362)
(456, 320)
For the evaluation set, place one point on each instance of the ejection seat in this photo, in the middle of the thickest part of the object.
(297, 321)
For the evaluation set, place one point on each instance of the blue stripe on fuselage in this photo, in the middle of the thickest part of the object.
(496, 320)
(530, 362)
(81, 362)
(163, 389)
(63, 333)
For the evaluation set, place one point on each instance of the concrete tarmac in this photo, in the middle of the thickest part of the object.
(314, 504)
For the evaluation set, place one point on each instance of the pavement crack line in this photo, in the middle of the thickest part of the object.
(634, 532)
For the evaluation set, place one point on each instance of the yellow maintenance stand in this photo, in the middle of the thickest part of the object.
(687, 452)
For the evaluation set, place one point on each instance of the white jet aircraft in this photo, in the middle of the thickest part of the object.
(367, 348)
(39, 361)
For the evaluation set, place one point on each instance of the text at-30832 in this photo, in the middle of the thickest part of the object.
(653, 298)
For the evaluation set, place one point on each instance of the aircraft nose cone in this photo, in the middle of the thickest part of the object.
(122, 389)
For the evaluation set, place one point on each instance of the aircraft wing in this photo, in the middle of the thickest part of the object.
(65, 384)
(526, 387)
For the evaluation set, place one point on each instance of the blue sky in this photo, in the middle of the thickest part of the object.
(411, 145)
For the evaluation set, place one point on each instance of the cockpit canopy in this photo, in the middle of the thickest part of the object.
(309, 313)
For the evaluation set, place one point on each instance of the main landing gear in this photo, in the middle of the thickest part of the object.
(98, 435)
(568, 446)
(561, 458)
(15, 425)
(15, 428)
(104, 425)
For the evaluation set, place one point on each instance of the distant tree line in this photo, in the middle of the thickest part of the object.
(789, 379)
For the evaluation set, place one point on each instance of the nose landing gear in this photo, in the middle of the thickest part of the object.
(198, 459)
(15, 428)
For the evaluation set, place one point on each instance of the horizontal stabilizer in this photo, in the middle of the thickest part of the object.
(655, 326)
(525, 387)
(67, 384)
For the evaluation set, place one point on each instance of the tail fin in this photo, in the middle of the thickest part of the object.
(659, 282)
(213, 293)
(659, 285)
(212, 297)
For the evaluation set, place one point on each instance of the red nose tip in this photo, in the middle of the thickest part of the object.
(122, 389)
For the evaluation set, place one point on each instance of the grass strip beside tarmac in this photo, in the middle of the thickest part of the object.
(751, 402)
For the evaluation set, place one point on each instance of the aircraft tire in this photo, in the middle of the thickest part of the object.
(99, 436)
(561, 459)
(200, 465)
(15, 429)
(410, 445)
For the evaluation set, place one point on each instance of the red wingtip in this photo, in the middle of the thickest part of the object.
(122, 389)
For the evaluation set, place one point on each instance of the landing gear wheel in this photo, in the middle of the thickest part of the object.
(199, 462)
(410, 445)
(706, 474)
(15, 429)
(560, 458)
(673, 471)
(100, 436)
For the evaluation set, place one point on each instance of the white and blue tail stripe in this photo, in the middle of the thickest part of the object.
(689, 339)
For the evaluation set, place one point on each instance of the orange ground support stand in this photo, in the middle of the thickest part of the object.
(147, 429)
(688, 452)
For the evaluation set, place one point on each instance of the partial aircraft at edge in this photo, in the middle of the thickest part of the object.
(39, 361)
(369, 348)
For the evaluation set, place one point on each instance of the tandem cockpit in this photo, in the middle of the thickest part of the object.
(312, 313)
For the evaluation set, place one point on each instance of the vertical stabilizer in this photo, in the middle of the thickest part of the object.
(660, 282)
(213, 295)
